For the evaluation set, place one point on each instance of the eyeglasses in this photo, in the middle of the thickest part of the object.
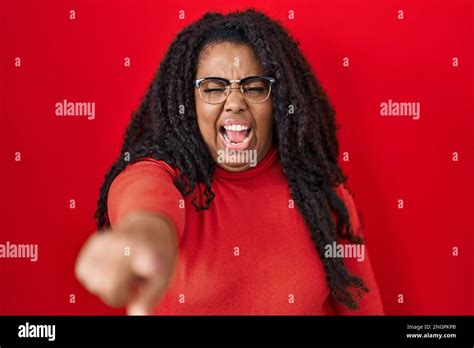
(215, 90)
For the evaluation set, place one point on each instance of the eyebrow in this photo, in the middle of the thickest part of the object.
(227, 80)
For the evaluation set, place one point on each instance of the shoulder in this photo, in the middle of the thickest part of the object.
(150, 167)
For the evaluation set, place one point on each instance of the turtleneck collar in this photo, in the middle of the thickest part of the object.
(266, 163)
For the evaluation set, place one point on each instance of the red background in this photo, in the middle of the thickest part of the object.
(390, 158)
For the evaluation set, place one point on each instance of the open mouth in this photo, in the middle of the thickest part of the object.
(236, 136)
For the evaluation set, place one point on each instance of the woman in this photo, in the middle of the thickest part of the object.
(227, 196)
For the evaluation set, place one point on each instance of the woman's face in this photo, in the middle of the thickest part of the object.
(233, 150)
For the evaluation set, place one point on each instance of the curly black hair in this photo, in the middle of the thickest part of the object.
(305, 138)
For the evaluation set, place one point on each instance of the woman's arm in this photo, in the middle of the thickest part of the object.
(146, 185)
(131, 263)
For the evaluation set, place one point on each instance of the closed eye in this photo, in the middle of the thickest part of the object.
(254, 90)
(209, 90)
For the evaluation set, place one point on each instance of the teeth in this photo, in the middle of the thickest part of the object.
(227, 140)
(236, 128)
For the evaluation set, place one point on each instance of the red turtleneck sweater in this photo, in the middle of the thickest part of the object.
(250, 253)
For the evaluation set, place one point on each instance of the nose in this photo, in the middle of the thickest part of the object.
(235, 102)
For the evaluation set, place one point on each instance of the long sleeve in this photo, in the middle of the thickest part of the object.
(146, 185)
(370, 303)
